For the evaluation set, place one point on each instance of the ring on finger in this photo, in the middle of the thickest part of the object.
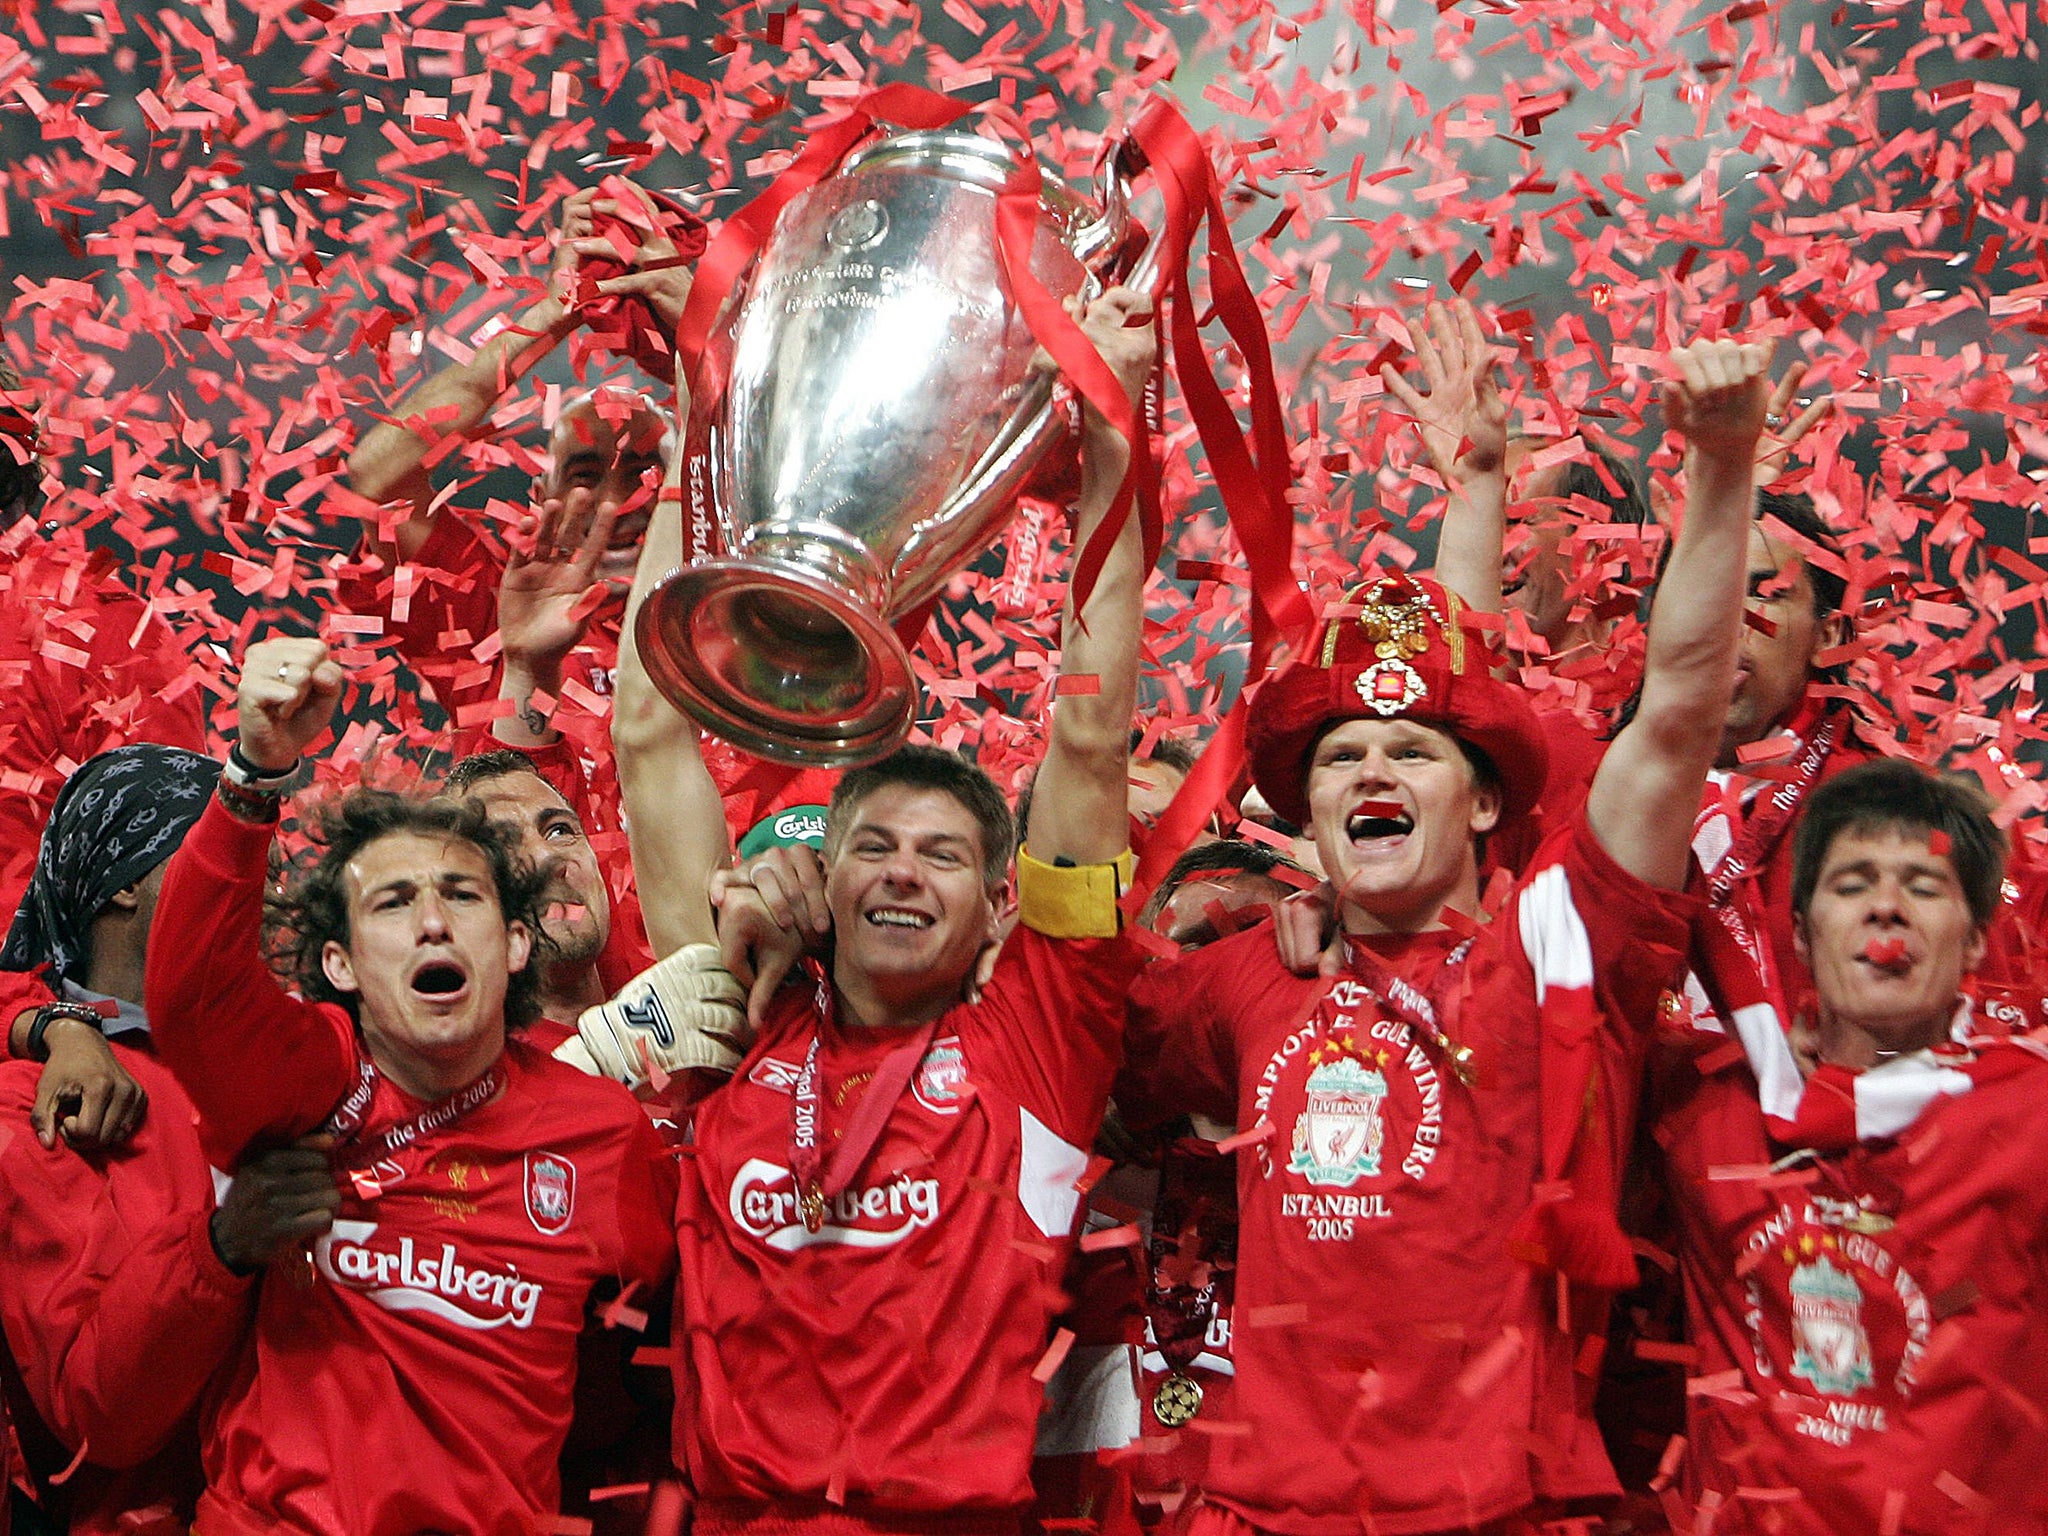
(1773, 420)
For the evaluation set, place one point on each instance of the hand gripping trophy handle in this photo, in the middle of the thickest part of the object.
(881, 412)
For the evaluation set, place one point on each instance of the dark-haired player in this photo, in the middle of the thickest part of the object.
(877, 1216)
(415, 1374)
(1860, 1201)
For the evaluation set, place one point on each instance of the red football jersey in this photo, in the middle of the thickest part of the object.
(115, 1307)
(437, 1321)
(1872, 1324)
(883, 1364)
(1394, 1361)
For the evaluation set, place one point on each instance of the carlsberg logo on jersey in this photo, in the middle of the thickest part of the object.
(399, 1279)
(800, 826)
(764, 1202)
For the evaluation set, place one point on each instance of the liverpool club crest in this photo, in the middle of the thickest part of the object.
(1830, 1346)
(550, 1192)
(1338, 1136)
(941, 1077)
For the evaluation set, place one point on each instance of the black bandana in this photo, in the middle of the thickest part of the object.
(118, 817)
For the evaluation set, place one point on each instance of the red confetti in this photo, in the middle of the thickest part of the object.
(1055, 1352)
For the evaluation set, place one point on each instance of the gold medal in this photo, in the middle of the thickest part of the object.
(811, 1203)
(1178, 1399)
(1464, 1065)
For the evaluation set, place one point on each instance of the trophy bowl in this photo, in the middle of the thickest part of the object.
(881, 412)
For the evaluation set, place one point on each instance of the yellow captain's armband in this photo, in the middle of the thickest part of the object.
(1072, 901)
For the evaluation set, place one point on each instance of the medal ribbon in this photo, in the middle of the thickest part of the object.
(1409, 1004)
(819, 1183)
(347, 1120)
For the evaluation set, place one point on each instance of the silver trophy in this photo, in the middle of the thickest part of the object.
(881, 414)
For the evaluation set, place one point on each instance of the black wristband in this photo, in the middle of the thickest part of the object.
(244, 774)
(35, 1047)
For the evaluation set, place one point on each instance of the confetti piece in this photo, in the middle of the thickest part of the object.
(1287, 1314)
(1049, 1363)
(665, 1511)
(1389, 810)
(1126, 1236)
(1675, 1354)
(60, 1478)
(1263, 1130)
(1491, 1363)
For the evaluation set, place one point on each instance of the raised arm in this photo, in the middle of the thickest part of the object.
(675, 818)
(390, 462)
(1647, 791)
(1463, 422)
(1080, 807)
(259, 1063)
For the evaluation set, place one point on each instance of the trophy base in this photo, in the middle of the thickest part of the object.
(778, 662)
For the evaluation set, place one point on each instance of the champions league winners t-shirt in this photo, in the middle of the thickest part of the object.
(882, 1364)
(413, 1372)
(1397, 1368)
(1872, 1322)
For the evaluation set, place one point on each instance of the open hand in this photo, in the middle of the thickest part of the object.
(550, 588)
(1463, 420)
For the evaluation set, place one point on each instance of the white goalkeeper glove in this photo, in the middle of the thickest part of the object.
(683, 1011)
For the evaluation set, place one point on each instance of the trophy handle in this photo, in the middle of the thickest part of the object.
(1100, 246)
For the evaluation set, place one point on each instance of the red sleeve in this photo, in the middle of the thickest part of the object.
(1180, 1057)
(647, 1209)
(439, 606)
(260, 1064)
(1603, 947)
(1050, 1023)
(1637, 935)
(115, 1307)
(19, 991)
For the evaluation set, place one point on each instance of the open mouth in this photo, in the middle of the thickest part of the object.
(897, 917)
(1379, 821)
(439, 979)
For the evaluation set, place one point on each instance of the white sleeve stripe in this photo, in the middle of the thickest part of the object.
(1553, 934)
(1048, 1168)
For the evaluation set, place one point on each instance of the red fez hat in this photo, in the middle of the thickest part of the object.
(1400, 648)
